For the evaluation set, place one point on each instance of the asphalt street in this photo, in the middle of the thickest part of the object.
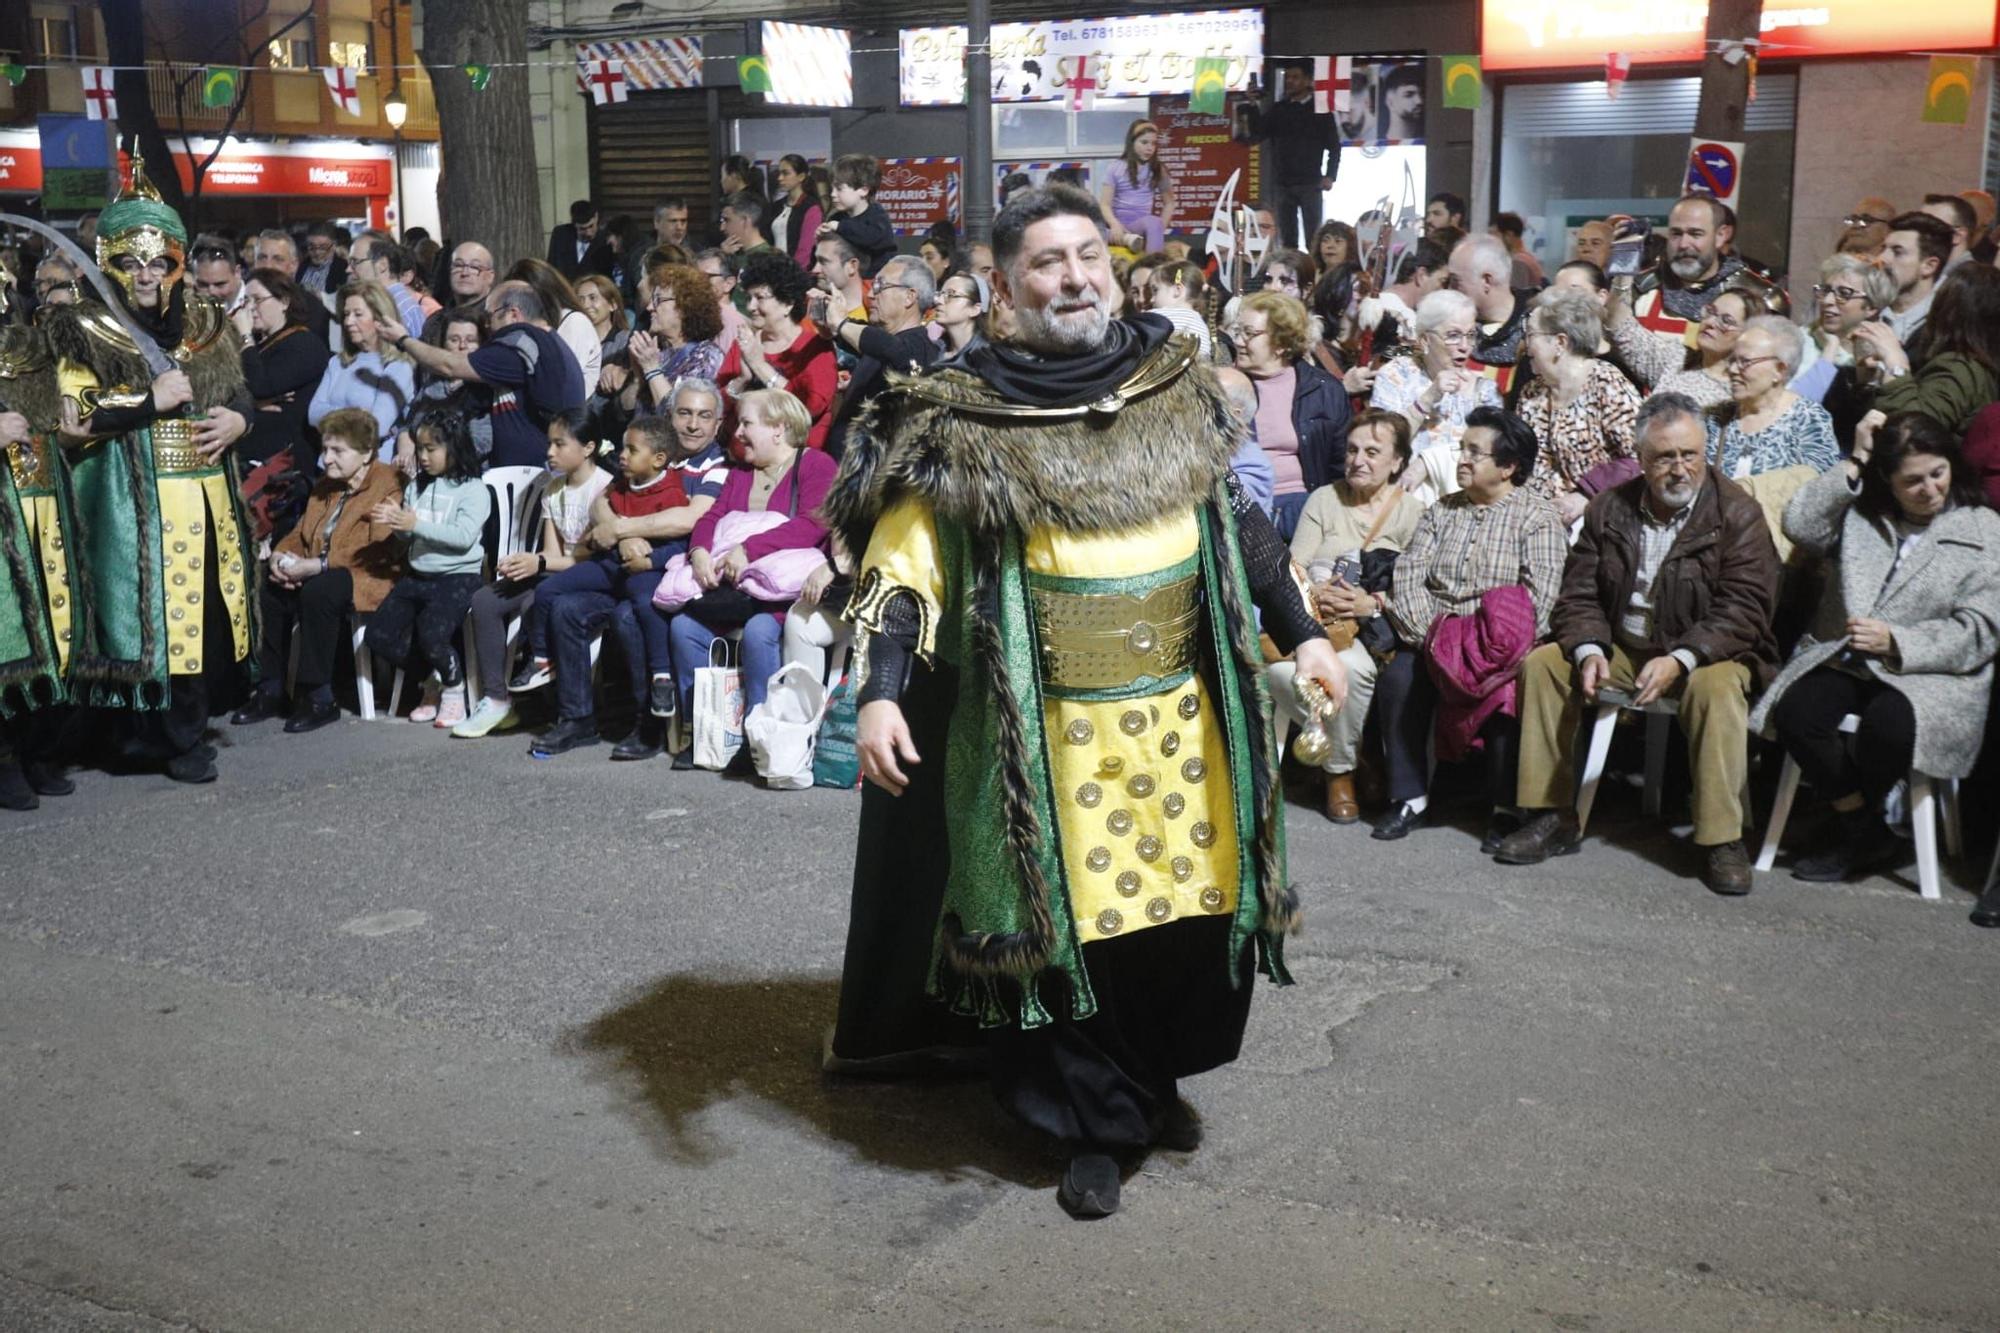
(386, 1031)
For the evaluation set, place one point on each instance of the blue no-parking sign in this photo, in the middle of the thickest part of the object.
(1715, 168)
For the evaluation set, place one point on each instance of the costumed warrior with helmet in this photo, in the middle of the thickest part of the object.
(36, 598)
(1061, 682)
(163, 566)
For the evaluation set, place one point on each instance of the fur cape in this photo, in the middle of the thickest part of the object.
(992, 471)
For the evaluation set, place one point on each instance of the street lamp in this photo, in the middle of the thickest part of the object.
(395, 107)
(396, 110)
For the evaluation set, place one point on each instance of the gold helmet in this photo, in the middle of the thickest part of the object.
(139, 224)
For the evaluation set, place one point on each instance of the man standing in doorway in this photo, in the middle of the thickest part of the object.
(1305, 153)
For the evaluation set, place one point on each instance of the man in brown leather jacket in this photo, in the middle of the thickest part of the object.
(1669, 593)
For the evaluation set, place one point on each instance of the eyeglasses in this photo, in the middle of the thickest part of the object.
(1864, 220)
(951, 294)
(1236, 333)
(1727, 323)
(1454, 337)
(1842, 294)
(467, 266)
(1745, 362)
(894, 287)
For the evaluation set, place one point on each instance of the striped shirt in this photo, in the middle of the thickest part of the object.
(1462, 550)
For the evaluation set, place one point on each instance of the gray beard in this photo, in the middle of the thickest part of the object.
(1039, 331)
(1687, 270)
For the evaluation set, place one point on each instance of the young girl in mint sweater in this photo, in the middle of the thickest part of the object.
(442, 517)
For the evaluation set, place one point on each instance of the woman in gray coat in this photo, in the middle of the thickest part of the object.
(1904, 637)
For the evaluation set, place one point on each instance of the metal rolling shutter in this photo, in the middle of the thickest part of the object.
(652, 145)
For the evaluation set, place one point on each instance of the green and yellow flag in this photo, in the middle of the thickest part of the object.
(13, 73)
(1211, 86)
(753, 74)
(218, 85)
(1948, 93)
(481, 75)
(1464, 82)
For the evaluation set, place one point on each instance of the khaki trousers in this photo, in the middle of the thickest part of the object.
(1715, 714)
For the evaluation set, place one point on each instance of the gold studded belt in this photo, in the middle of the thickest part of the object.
(1116, 644)
(33, 465)
(173, 446)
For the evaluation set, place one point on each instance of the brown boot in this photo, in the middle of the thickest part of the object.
(1341, 807)
(1547, 833)
(1728, 869)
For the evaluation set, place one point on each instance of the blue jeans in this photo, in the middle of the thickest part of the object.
(763, 654)
(576, 605)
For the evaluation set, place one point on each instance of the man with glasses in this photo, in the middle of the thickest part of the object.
(471, 275)
(895, 339)
(1669, 593)
(55, 282)
(376, 258)
(325, 268)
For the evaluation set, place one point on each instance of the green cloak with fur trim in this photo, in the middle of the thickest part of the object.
(30, 658)
(992, 472)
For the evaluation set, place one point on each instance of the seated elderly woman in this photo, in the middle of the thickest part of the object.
(337, 562)
(1471, 596)
(1904, 637)
(1766, 427)
(1663, 362)
(779, 491)
(1435, 389)
(1302, 411)
(1851, 292)
(1365, 513)
(1580, 408)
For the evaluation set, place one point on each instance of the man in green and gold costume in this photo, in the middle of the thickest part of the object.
(35, 595)
(1055, 593)
(163, 622)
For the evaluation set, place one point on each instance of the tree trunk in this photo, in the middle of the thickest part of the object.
(487, 188)
(1725, 88)
(125, 40)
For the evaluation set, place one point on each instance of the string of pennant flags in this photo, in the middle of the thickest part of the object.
(1947, 93)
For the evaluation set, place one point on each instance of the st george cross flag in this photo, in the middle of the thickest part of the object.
(606, 79)
(1617, 65)
(100, 99)
(1082, 86)
(1333, 76)
(340, 85)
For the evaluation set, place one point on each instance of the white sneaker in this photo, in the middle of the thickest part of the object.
(490, 715)
(427, 711)
(451, 708)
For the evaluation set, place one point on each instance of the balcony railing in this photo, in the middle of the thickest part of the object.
(163, 80)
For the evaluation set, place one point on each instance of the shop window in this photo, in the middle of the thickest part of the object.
(350, 45)
(1569, 154)
(1032, 129)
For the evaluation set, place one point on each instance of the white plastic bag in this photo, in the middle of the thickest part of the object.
(718, 709)
(781, 730)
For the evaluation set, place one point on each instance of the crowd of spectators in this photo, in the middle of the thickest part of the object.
(1509, 492)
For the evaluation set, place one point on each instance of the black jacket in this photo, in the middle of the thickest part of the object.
(1320, 414)
(871, 235)
(562, 254)
(910, 350)
(282, 371)
(1304, 144)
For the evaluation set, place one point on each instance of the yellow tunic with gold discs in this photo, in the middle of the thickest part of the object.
(197, 513)
(33, 463)
(1142, 796)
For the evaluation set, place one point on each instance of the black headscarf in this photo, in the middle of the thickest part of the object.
(1068, 380)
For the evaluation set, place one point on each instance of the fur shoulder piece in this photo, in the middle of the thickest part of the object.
(989, 465)
(28, 377)
(87, 333)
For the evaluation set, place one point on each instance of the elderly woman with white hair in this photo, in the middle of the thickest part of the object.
(1766, 427)
(1581, 408)
(1850, 292)
(1434, 388)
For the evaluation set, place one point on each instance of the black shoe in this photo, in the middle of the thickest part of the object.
(684, 760)
(1398, 823)
(192, 768)
(663, 700)
(1860, 844)
(259, 707)
(534, 674)
(1090, 1186)
(311, 716)
(1987, 913)
(636, 746)
(47, 779)
(1180, 1129)
(15, 793)
(1728, 869)
(1549, 833)
(566, 735)
(1503, 824)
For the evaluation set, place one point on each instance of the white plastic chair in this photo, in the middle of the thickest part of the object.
(516, 493)
(1931, 800)
(1660, 715)
(364, 671)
